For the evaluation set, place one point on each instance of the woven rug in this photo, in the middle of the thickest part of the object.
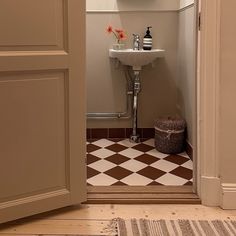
(144, 227)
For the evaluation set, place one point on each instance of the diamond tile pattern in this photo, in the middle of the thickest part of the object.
(91, 159)
(92, 147)
(118, 172)
(151, 173)
(143, 147)
(147, 159)
(116, 147)
(117, 159)
(120, 162)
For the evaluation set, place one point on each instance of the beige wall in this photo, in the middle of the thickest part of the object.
(164, 93)
(186, 71)
(227, 113)
(106, 84)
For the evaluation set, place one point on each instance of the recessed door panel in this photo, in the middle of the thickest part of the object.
(32, 24)
(34, 128)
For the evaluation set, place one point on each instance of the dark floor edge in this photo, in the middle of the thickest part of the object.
(147, 201)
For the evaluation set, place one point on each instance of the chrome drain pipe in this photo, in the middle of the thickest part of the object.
(115, 115)
(131, 110)
(127, 114)
(137, 88)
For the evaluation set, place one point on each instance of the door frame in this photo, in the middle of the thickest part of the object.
(156, 194)
(207, 184)
(208, 174)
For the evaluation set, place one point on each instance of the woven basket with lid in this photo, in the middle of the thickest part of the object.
(170, 135)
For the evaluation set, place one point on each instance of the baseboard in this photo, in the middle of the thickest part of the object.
(228, 201)
(96, 133)
(210, 191)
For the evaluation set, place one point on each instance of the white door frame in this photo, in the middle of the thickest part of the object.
(208, 175)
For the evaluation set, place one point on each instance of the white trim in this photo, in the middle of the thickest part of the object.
(208, 105)
(114, 10)
(186, 7)
(228, 192)
(210, 189)
(129, 11)
(106, 5)
(185, 3)
(139, 10)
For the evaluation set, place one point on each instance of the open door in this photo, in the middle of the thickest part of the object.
(42, 106)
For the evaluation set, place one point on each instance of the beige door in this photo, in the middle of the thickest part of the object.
(42, 106)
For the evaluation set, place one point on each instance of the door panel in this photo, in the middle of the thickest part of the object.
(33, 25)
(42, 103)
(24, 122)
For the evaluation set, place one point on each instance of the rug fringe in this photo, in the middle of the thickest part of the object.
(112, 227)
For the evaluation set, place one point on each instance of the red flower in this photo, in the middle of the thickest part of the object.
(118, 33)
(122, 36)
(109, 29)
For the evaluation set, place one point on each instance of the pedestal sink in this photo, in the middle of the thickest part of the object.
(136, 59)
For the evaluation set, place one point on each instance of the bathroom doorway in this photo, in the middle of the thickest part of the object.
(168, 88)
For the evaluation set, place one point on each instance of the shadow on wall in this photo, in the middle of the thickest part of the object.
(159, 92)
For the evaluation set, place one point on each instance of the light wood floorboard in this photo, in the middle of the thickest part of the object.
(92, 219)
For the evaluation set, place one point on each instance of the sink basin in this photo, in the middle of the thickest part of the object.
(136, 58)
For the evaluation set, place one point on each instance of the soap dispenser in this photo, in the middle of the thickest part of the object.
(147, 40)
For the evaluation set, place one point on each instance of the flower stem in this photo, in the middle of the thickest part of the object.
(118, 40)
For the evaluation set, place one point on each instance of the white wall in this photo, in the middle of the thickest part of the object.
(134, 5)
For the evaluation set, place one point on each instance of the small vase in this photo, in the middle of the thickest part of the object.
(118, 46)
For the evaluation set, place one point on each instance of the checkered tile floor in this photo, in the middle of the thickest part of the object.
(121, 162)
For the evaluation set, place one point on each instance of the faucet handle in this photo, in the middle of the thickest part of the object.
(136, 36)
(136, 42)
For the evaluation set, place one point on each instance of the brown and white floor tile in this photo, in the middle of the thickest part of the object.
(136, 179)
(122, 162)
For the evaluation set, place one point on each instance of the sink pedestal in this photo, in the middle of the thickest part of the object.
(136, 90)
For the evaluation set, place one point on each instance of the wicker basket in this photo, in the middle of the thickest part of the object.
(170, 135)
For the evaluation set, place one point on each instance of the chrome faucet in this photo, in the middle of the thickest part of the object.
(136, 42)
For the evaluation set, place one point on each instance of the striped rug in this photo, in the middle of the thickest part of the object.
(144, 227)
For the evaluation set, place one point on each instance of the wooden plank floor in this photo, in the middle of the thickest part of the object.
(92, 219)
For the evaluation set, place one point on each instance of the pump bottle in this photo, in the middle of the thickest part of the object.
(147, 40)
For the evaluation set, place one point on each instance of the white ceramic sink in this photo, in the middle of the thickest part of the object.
(136, 58)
